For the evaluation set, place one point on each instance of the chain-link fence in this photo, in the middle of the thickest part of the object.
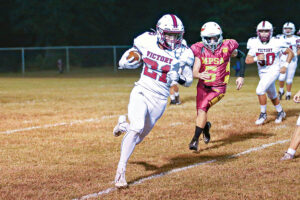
(35, 59)
(31, 59)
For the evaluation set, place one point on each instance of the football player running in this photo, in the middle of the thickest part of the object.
(293, 42)
(212, 68)
(295, 141)
(163, 53)
(265, 50)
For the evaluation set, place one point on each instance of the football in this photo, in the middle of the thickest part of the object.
(136, 55)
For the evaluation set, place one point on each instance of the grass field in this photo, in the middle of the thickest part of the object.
(56, 142)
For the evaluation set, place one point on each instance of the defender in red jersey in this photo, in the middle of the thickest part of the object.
(212, 68)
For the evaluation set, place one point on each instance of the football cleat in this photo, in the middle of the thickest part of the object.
(194, 144)
(178, 102)
(287, 156)
(120, 181)
(173, 102)
(280, 94)
(121, 127)
(206, 134)
(287, 97)
(280, 116)
(261, 119)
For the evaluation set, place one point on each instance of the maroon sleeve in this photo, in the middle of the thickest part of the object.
(232, 45)
(196, 50)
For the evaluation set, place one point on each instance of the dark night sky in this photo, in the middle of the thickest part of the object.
(117, 22)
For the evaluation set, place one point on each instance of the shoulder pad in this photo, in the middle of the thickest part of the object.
(144, 39)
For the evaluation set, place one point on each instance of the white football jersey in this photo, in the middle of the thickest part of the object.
(158, 62)
(271, 51)
(293, 43)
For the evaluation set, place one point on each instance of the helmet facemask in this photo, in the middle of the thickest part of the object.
(288, 31)
(170, 39)
(288, 28)
(212, 42)
(264, 35)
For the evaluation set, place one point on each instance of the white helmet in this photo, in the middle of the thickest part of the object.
(211, 30)
(170, 24)
(264, 25)
(288, 25)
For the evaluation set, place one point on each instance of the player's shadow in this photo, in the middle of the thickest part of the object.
(195, 158)
(292, 112)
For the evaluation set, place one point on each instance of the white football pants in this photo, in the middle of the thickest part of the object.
(144, 109)
(267, 83)
(290, 73)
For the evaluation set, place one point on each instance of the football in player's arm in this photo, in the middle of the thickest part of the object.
(295, 141)
(162, 55)
(265, 50)
(212, 69)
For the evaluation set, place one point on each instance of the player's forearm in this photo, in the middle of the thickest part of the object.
(250, 59)
(196, 75)
(290, 56)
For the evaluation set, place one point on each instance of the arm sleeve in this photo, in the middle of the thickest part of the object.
(251, 51)
(298, 42)
(186, 76)
(242, 57)
(232, 44)
(195, 50)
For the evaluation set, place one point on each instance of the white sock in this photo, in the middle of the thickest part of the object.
(172, 96)
(176, 94)
(127, 147)
(281, 90)
(263, 108)
(278, 108)
(288, 93)
(291, 151)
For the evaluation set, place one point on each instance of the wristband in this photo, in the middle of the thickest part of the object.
(286, 64)
(181, 81)
(255, 59)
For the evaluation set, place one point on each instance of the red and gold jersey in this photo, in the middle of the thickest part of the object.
(217, 63)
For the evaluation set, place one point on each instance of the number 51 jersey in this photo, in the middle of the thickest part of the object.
(271, 51)
(158, 62)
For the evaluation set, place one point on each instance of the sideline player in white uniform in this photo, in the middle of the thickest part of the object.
(163, 53)
(293, 42)
(265, 49)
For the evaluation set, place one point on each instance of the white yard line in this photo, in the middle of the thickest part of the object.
(111, 189)
(176, 123)
(58, 124)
